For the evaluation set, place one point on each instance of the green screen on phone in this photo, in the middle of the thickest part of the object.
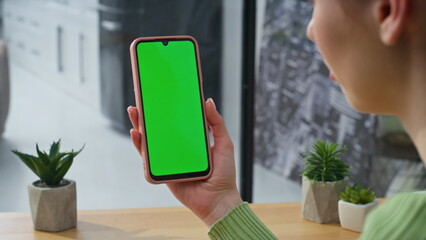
(172, 108)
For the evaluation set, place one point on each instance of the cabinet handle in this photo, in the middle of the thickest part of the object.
(81, 42)
(60, 46)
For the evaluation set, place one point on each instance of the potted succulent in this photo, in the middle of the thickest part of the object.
(324, 177)
(52, 198)
(354, 205)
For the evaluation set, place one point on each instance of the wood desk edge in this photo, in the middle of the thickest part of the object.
(284, 219)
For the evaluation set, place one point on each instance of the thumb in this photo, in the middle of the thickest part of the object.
(215, 121)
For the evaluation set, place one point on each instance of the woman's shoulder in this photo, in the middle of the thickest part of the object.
(401, 217)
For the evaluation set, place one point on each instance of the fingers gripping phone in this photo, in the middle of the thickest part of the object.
(169, 96)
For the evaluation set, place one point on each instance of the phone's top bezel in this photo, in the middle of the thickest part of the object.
(182, 176)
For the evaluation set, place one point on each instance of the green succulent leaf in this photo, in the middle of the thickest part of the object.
(348, 190)
(344, 196)
(357, 194)
(62, 169)
(79, 151)
(354, 197)
(324, 163)
(64, 160)
(52, 167)
(43, 156)
(27, 160)
(54, 149)
(43, 171)
(54, 161)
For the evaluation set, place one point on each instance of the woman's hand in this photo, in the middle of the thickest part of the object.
(213, 198)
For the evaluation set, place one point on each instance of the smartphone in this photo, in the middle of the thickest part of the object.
(169, 96)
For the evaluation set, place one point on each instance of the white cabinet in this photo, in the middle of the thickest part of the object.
(57, 40)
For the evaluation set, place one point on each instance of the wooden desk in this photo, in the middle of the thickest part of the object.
(284, 219)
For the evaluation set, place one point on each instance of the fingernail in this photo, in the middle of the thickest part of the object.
(211, 100)
(131, 131)
(128, 109)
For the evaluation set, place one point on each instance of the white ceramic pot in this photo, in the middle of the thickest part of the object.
(319, 200)
(352, 216)
(53, 209)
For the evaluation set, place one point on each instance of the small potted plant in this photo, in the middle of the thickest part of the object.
(52, 198)
(324, 177)
(354, 205)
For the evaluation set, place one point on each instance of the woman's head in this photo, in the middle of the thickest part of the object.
(369, 46)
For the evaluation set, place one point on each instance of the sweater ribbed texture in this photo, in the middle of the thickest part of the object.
(240, 223)
(402, 217)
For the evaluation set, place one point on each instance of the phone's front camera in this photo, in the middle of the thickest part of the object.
(165, 42)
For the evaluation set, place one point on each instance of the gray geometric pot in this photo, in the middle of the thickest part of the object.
(320, 200)
(53, 209)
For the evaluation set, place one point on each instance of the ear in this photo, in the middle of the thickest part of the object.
(392, 17)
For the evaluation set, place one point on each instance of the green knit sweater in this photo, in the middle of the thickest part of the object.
(402, 217)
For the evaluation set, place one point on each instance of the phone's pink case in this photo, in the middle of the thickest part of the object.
(136, 84)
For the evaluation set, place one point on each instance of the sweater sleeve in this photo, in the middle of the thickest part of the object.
(240, 223)
(402, 217)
